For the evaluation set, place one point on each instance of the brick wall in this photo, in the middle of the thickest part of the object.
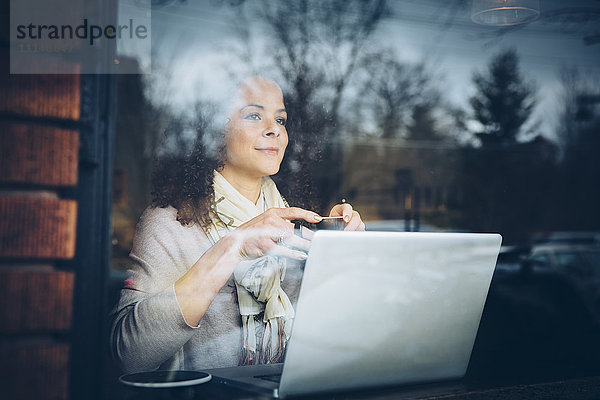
(39, 150)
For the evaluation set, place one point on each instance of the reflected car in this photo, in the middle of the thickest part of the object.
(578, 265)
(575, 261)
(575, 238)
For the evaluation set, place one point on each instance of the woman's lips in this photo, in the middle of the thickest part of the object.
(272, 151)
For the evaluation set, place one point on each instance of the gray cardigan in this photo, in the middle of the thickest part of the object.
(148, 330)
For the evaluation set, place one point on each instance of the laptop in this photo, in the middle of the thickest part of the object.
(380, 309)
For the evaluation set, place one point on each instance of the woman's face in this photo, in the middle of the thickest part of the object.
(256, 136)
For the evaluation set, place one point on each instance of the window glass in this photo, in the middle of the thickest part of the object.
(422, 114)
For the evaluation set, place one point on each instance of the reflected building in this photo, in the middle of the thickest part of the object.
(395, 178)
(438, 183)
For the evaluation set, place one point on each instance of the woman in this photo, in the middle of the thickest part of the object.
(210, 284)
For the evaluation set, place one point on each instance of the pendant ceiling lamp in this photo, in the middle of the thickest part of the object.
(505, 12)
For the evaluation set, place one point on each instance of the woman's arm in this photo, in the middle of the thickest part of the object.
(148, 326)
(196, 289)
(165, 300)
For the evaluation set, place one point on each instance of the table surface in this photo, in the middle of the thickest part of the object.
(573, 389)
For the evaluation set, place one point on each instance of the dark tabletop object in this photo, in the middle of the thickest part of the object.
(575, 389)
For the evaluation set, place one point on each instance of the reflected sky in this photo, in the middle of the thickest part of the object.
(195, 40)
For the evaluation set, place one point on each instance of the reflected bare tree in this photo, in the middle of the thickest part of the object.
(402, 100)
(320, 44)
(396, 93)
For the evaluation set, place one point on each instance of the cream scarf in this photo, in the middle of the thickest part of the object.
(258, 282)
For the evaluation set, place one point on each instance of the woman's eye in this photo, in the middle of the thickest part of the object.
(253, 116)
(281, 121)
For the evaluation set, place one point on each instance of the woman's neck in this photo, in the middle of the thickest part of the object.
(248, 186)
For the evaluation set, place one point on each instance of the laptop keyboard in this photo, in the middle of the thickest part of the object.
(272, 377)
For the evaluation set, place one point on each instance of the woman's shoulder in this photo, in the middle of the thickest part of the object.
(152, 215)
(158, 230)
(157, 218)
(162, 221)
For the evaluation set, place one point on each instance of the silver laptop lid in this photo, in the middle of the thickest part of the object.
(383, 308)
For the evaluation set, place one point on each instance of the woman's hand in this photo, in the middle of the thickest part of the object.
(351, 217)
(269, 231)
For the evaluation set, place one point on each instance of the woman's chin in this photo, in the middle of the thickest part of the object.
(271, 170)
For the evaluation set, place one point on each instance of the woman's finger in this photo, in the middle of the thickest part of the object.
(342, 210)
(302, 231)
(347, 212)
(287, 252)
(336, 211)
(291, 213)
(262, 231)
(297, 242)
(355, 223)
(307, 233)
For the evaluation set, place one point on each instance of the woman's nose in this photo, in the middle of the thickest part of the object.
(274, 129)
